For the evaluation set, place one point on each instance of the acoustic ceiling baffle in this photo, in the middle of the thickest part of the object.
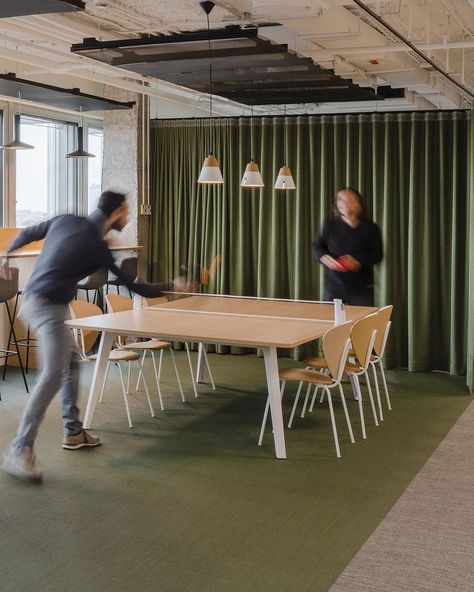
(246, 67)
(71, 99)
(9, 8)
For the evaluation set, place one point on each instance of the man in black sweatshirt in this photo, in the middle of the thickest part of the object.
(73, 249)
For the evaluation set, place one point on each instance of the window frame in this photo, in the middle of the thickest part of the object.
(8, 181)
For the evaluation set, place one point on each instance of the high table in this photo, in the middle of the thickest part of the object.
(266, 324)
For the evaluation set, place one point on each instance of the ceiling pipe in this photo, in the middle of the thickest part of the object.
(423, 56)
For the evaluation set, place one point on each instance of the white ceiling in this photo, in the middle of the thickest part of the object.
(336, 34)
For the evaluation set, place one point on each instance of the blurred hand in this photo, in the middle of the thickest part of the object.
(186, 284)
(331, 263)
(6, 272)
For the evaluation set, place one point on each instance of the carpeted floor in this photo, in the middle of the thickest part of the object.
(188, 502)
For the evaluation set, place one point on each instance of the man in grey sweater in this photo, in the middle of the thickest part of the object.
(74, 248)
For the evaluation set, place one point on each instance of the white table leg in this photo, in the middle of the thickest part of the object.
(100, 367)
(271, 369)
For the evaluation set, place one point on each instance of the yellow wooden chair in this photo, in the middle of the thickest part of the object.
(363, 335)
(86, 339)
(118, 303)
(335, 346)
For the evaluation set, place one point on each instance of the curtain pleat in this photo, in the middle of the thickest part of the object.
(415, 171)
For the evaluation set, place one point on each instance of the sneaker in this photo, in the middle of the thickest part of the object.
(22, 464)
(80, 440)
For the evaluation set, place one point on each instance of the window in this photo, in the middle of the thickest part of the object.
(95, 146)
(46, 181)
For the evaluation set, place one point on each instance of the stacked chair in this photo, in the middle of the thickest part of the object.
(86, 339)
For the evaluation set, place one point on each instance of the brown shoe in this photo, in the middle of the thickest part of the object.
(80, 440)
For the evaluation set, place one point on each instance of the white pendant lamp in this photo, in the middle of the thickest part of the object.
(210, 173)
(285, 179)
(252, 176)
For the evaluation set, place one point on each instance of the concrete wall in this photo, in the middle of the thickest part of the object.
(122, 168)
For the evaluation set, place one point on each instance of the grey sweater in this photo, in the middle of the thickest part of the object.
(73, 249)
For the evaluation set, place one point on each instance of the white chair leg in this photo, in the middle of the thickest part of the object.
(152, 411)
(308, 390)
(348, 421)
(186, 345)
(382, 371)
(130, 425)
(377, 391)
(159, 365)
(177, 374)
(157, 381)
(333, 421)
(103, 384)
(290, 422)
(206, 361)
(313, 400)
(137, 386)
(265, 413)
(356, 387)
(372, 404)
(128, 378)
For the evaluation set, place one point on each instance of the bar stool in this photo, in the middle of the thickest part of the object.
(9, 291)
(95, 281)
(129, 268)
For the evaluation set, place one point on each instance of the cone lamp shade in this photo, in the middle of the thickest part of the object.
(252, 176)
(210, 172)
(80, 152)
(17, 144)
(285, 179)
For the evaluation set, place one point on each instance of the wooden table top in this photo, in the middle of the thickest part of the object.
(243, 322)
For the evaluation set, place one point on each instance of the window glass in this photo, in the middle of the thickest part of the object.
(46, 181)
(95, 146)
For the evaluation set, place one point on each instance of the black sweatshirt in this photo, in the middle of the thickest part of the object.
(74, 249)
(364, 243)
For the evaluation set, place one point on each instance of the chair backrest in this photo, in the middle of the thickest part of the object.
(129, 267)
(155, 301)
(335, 343)
(383, 328)
(363, 334)
(118, 303)
(9, 288)
(85, 337)
(96, 280)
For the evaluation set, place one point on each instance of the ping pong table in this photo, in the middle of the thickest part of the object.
(262, 323)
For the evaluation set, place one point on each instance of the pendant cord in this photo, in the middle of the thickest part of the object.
(210, 85)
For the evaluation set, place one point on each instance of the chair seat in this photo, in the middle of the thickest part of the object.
(321, 363)
(305, 375)
(148, 345)
(119, 355)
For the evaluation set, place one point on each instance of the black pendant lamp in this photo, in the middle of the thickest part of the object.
(80, 152)
(17, 144)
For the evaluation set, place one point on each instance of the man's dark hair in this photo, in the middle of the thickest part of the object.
(109, 201)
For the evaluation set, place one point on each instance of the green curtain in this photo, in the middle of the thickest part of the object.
(413, 169)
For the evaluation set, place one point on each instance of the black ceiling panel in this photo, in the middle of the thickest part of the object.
(245, 67)
(72, 99)
(9, 8)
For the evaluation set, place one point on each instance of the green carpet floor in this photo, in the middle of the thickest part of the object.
(187, 502)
